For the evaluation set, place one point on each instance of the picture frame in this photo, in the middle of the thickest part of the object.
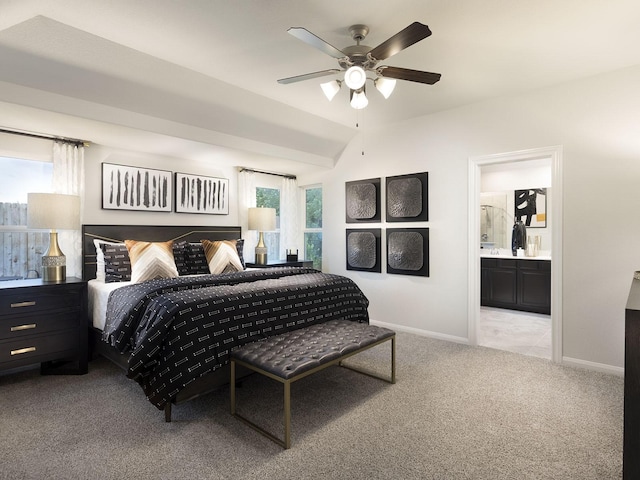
(362, 201)
(201, 194)
(407, 198)
(408, 251)
(133, 188)
(363, 249)
(530, 206)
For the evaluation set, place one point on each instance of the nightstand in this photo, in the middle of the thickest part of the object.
(44, 322)
(281, 263)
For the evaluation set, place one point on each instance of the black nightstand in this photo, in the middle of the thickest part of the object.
(44, 322)
(281, 263)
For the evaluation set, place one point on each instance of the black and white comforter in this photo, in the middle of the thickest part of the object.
(180, 329)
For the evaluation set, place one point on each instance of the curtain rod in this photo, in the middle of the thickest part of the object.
(43, 136)
(268, 173)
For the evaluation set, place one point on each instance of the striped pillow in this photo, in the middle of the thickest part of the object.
(151, 260)
(222, 256)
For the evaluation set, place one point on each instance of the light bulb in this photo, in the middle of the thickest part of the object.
(355, 77)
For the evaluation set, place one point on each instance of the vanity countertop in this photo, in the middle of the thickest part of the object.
(487, 254)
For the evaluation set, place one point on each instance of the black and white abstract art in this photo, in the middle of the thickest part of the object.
(407, 198)
(198, 194)
(362, 201)
(531, 207)
(133, 188)
(408, 251)
(363, 250)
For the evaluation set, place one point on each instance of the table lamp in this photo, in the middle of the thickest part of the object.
(262, 220)
(54, 212)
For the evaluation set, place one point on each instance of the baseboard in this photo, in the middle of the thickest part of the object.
(597, 367)
(423, 333)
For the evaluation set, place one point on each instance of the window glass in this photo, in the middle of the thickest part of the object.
(313, 226)
(21, 250)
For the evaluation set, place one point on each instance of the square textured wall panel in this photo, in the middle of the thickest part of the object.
(362, 201)
(363, 250)
(407, 198)
(408, 251)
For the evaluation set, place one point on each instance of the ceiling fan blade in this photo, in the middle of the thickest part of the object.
(315, 41)
(410, 75)
(401, 40)
(309, 76)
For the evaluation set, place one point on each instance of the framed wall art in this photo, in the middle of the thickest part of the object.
(362, 201)
(198, 194)
(363, 250)
(407, 198)
(134, 188)
(408, 251)
(531, 207)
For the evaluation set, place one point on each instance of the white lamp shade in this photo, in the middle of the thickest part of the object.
(331, 88)
(53, 211)
(385, 86)
(262, 219)
(359, 99)
(355, 77)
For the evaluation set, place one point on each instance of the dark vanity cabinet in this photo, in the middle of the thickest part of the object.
(516, 284)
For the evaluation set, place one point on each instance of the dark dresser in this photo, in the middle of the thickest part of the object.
(631, 445)
(45, 323)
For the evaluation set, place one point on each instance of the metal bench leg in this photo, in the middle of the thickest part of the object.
(287, 414)
(232, 388)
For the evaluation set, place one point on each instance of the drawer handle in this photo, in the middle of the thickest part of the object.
(22, 304)
(28, 326)
(23, 350)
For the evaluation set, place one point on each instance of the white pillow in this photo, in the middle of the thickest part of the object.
(150, 260)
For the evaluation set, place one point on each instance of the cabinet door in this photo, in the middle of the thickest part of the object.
(503, 287)
(534, 288)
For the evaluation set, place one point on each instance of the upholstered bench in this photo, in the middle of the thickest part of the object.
(299, 353)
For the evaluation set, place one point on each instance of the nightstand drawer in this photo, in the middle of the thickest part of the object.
(29, 350)
(24, 301)
(17, 326)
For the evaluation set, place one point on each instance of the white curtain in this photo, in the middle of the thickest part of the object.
(289, 226)
(246, 200)
(68, 178)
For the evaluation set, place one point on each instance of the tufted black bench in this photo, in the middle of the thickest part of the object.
(299, 353)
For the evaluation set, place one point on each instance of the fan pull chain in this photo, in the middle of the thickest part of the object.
(358, 126)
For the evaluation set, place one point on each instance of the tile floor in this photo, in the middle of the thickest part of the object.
(518, 332)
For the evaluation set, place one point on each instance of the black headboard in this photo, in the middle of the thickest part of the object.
(150, 233)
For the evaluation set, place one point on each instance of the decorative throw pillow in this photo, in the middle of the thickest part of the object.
(222, 256)
(196, 259)
(151, 260)
(116, 262)
(180, 257)
(240, 249)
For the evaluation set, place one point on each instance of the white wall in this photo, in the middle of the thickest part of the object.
(596, 122)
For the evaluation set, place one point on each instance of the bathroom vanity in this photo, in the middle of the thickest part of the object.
(516, 283)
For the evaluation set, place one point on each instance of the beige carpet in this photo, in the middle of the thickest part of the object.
(456, 412)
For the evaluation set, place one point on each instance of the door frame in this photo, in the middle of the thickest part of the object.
(555, 154)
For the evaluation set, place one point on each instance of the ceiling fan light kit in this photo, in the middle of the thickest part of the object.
(357, 60)
(358, 99)
(331, 88)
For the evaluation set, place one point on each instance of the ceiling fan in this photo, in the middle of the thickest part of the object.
(358, 60)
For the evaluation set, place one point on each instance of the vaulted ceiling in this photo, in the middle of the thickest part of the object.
(179, 76)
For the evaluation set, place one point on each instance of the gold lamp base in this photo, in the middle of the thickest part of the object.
(261, 251)
(54, 262)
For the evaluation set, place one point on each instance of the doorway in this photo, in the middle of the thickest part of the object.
(476, 164)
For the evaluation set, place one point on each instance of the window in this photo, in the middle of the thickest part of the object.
(270, 198)
(21, 250)
(313, 226)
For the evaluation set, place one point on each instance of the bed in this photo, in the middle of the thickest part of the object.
(173, 336)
